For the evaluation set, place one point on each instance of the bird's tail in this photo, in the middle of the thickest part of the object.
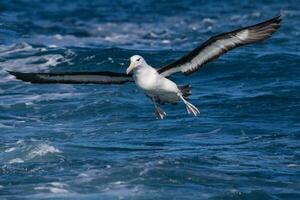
(186, 90)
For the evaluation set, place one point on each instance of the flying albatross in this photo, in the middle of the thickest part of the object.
(155, 82)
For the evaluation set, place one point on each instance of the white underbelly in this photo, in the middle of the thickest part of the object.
(165, 90)
(157, 86)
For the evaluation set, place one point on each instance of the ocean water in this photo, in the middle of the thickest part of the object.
(103, 141)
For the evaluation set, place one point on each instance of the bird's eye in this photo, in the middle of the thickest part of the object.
(138, 59)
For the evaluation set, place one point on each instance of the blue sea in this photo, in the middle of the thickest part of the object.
(60, 141)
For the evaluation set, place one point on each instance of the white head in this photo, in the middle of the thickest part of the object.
(135, 61)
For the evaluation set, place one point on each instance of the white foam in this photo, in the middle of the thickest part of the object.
(30, 100)
(29, 59)
(54, 190)
(144, 171)
(208, 21)
(125, 35)
(160, 162)
(110, 59)
(15, 48)
(41, 188)
(53, 60)
(58, 190)
(122, 191)
(42, 62)
(58, 37)
(118, 183)
(15, 160)
(58, 184)
(83, 175)
(166, 41)
(3, 125)
(29, 103)
(41, 150)
(20, 141)
(10, 149)
(293, 165)
(52, 46)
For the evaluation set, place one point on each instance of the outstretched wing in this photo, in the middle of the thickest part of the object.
(220, 44)
(74, 77)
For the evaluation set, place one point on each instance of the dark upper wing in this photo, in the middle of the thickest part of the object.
(74, 77)
(220, 44)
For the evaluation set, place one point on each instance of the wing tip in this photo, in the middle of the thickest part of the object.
(278, 19)
(11, 72)
(263, 30)
(26, 77)
(275, 20)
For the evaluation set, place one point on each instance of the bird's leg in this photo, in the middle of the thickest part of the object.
(159, 113)
(191, 109)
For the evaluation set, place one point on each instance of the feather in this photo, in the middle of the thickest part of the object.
(219, 45)
(74, 77)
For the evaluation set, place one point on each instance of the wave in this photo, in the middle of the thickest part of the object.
(24, 151)
(54, 187)
(19, 48)
(41, 150)
(29, 100)
(119, 149)
(25, 57)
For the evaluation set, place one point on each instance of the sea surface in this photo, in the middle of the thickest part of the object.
(103, 142)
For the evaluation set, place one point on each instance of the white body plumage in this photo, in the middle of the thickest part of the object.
(155, 85)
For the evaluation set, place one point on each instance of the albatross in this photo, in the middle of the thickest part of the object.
(155, 82)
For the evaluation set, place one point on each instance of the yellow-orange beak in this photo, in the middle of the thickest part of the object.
(130, 68)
